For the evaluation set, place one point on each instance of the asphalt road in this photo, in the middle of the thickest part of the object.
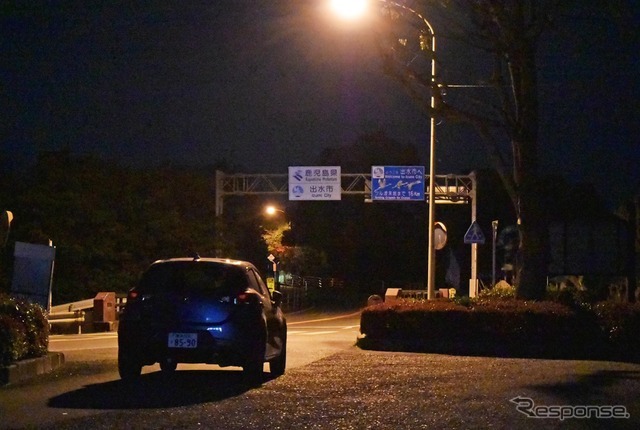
(91, 363)
(331, 384)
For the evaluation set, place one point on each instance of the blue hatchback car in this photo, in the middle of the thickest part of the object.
(202, 310)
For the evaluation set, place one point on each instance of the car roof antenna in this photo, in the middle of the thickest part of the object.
(196, 256)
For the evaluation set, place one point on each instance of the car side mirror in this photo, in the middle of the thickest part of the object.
(276, 297)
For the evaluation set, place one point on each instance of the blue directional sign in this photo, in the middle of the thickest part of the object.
(397, 183)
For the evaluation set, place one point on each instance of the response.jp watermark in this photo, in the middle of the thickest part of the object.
(527, 406)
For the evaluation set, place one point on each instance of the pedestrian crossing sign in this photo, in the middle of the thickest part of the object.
(474, 234)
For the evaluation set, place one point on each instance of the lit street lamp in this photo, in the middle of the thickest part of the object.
(350, 9)
(271, 210)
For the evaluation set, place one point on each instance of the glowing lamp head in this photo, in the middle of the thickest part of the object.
(270, 210)
(349, 9)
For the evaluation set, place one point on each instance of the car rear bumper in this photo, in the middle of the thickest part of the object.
(224, 346)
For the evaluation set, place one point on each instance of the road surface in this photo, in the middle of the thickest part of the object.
(91, 360)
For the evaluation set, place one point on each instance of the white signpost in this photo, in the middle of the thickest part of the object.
(474, 236)
(315, 183)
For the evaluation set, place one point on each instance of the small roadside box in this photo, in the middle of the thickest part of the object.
(104, 309)
(392, 295)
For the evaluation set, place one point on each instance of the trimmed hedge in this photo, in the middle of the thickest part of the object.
(619, 324)
(24, 330)
(504, 327)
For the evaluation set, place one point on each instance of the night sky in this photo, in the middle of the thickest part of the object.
(268, 84)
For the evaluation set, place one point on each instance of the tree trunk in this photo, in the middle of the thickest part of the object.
(534, 244)
(532, 219)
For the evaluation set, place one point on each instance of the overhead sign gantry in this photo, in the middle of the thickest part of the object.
(448, 189)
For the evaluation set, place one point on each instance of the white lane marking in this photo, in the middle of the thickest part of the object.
(80, 338)
(309, 332)
(324, 319)
(84, 335)
(84, 349)
(315, 333)
(326, 327)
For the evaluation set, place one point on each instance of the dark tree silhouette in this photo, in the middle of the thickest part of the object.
(500, 39)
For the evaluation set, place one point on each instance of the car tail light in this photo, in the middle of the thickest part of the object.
(243, 297)
(131, 310)
(246, 297)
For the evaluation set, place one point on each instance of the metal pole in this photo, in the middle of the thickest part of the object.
(432, 150)
(431, 264)
(494, 224)
(473, 282)
(431, 253)
(219, 190)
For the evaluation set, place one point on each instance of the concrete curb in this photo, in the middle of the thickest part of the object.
(27, 369)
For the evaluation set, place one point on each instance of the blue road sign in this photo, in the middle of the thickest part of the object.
(397, 183)
(474, 234)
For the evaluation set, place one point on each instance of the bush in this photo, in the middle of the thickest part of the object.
(418, 318)
(24, 330)
(570, 296)
(504, 327)
(620, 325)
(13, 340)
(502, 290)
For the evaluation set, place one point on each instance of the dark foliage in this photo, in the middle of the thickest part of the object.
(109, 222)
(620, 325)
(501, 43)
(512, 328)
(24, 330)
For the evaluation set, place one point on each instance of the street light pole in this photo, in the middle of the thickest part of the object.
(494, 228)
(431, 251)
(431, 261)
(350, 9)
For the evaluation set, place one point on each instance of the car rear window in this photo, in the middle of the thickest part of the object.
(195, 277)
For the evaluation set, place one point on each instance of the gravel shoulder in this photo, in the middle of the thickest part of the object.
(358, 389)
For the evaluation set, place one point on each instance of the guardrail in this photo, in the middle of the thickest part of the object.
(80, 305)
(394, 294)
(69, 317)
(413, 294)
(70, 313)
(80, 313)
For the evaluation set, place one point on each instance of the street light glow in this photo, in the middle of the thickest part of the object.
(349, 9)
(271, 210)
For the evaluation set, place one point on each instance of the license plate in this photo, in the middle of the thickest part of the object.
(183, 340)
